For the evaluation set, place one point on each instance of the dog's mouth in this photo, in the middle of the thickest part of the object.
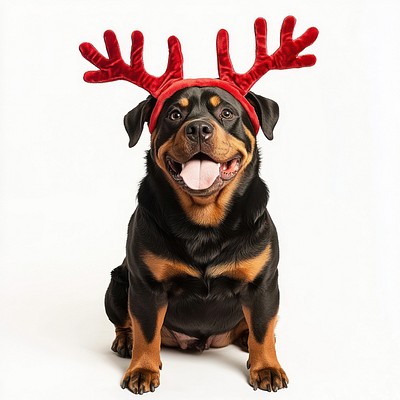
(201, 175)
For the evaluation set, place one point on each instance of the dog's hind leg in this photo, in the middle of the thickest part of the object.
(240, 335)
(116, 304)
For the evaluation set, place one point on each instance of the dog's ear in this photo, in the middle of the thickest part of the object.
(267, 112)
(135, 119)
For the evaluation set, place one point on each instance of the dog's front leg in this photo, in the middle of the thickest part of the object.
(147, 314)
(261, 317)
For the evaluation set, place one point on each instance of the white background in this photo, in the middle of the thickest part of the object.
(68, 186)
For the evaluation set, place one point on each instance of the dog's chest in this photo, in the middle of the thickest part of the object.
(232, 267)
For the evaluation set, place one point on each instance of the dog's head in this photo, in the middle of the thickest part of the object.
(204, 141)
(203, 129)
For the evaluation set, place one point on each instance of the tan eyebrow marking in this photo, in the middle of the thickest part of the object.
(183, 102)
(215, 101)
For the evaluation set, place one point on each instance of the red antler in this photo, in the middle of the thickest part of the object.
(114, 67)
(287, 56)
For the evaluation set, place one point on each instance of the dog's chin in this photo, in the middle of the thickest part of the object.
(216, 175)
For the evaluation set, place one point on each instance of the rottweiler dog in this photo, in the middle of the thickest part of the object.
(202, 251)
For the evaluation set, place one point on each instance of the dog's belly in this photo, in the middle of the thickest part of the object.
(201, 315)
(171, 338)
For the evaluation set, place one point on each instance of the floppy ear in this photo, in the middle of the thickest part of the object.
(135, 119)
(267, 112)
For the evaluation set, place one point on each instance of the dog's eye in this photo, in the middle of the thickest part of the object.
(226, 113)
(175, 115)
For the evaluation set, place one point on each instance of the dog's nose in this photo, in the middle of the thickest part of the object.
(196, 130)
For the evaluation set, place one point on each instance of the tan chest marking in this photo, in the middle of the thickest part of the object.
(244, 270)
(164, 269)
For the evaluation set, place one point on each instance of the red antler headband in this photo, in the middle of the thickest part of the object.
(162, 87)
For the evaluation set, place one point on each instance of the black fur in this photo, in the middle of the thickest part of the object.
(267, 111)
(207, 306)
(135, 119)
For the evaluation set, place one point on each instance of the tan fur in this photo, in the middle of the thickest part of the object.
(265, 369)
(163, 269)
(145, 361)
(215, 101)
(210, 210)
(245, 270)
(183, 102)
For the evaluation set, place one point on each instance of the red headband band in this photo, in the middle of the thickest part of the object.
(238, 85)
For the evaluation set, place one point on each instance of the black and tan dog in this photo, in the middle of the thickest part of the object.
(202, 250)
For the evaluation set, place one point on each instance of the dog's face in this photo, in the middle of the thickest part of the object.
(203, 142)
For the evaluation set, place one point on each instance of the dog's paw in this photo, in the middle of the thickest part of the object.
(140, 381)
(269, 379)
(123, 344)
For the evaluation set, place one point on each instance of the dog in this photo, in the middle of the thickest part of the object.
(201, 266)
(202, 251)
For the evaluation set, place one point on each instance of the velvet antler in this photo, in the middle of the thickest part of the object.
(238, 85)
(114, 67)
(287, 56)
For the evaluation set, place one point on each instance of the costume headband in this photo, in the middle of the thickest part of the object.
(238, 85)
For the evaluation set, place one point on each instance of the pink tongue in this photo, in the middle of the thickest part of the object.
(200, 174)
